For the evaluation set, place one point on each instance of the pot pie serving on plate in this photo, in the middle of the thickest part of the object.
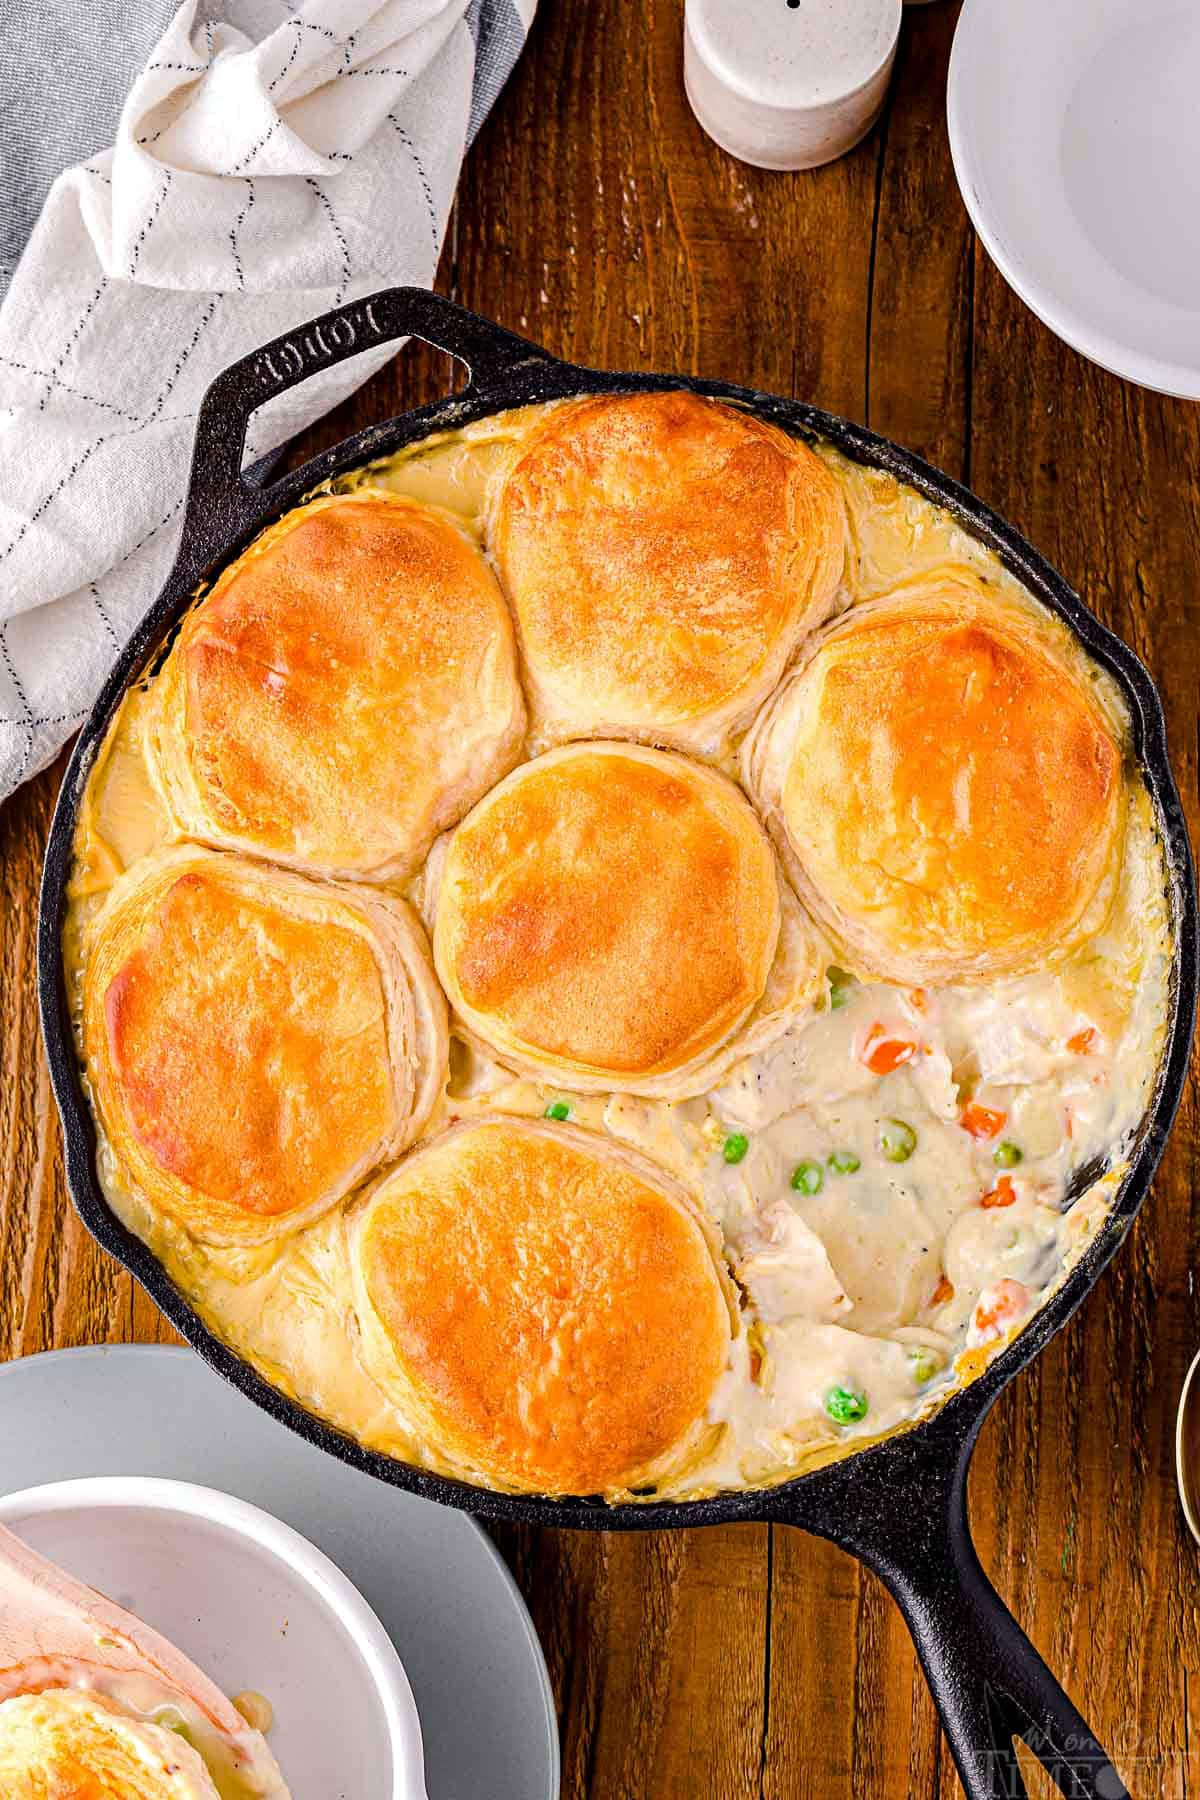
(97, 1705)
(806, 954)
(67, 1742)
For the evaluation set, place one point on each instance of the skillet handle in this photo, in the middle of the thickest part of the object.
(221, 501)
(909, 1524)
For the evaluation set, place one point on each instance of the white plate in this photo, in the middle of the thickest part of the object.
(1075, 132)
(434, 1579)
(254, 1605)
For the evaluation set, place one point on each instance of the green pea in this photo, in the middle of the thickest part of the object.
(924, 1363)
(897, 1140)
(808, 1178)
(735, 1147)
(844, 1162)
(845, 1406)
(558, 1109)
(841, 987)
(1007, 1156)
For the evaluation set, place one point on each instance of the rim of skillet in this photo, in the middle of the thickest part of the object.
(953, 1424)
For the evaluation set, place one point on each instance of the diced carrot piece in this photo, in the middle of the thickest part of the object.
(982, 1121)
(1009, 1298)
(883, 1054)
(1003, 1194)
(942, 1292)
(1083, 1043)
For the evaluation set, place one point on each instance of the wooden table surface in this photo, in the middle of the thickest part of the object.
(595, 217)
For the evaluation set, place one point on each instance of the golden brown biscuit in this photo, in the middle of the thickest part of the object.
(609, 917)
(256, 1043)
(943, 784)
(543, 1305)
(346, 691)
(78, 1675)
(71, 1744)
(664, 554)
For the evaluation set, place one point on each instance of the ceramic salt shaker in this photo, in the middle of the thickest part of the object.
(788, 84)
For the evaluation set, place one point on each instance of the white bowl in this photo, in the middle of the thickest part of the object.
(255, 1606)
(1075, 132)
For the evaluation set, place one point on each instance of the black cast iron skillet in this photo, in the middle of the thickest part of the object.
(899, 1505)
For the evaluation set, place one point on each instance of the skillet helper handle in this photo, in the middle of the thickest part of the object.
(988, 1682)
(221, 502)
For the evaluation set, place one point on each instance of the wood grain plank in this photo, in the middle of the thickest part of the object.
(49, 1282)
(833, 1622)
(597, 217)
(1073, 1492)
(56, 1287)
(919, 359)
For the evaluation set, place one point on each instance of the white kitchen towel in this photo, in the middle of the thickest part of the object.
(271, 160)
